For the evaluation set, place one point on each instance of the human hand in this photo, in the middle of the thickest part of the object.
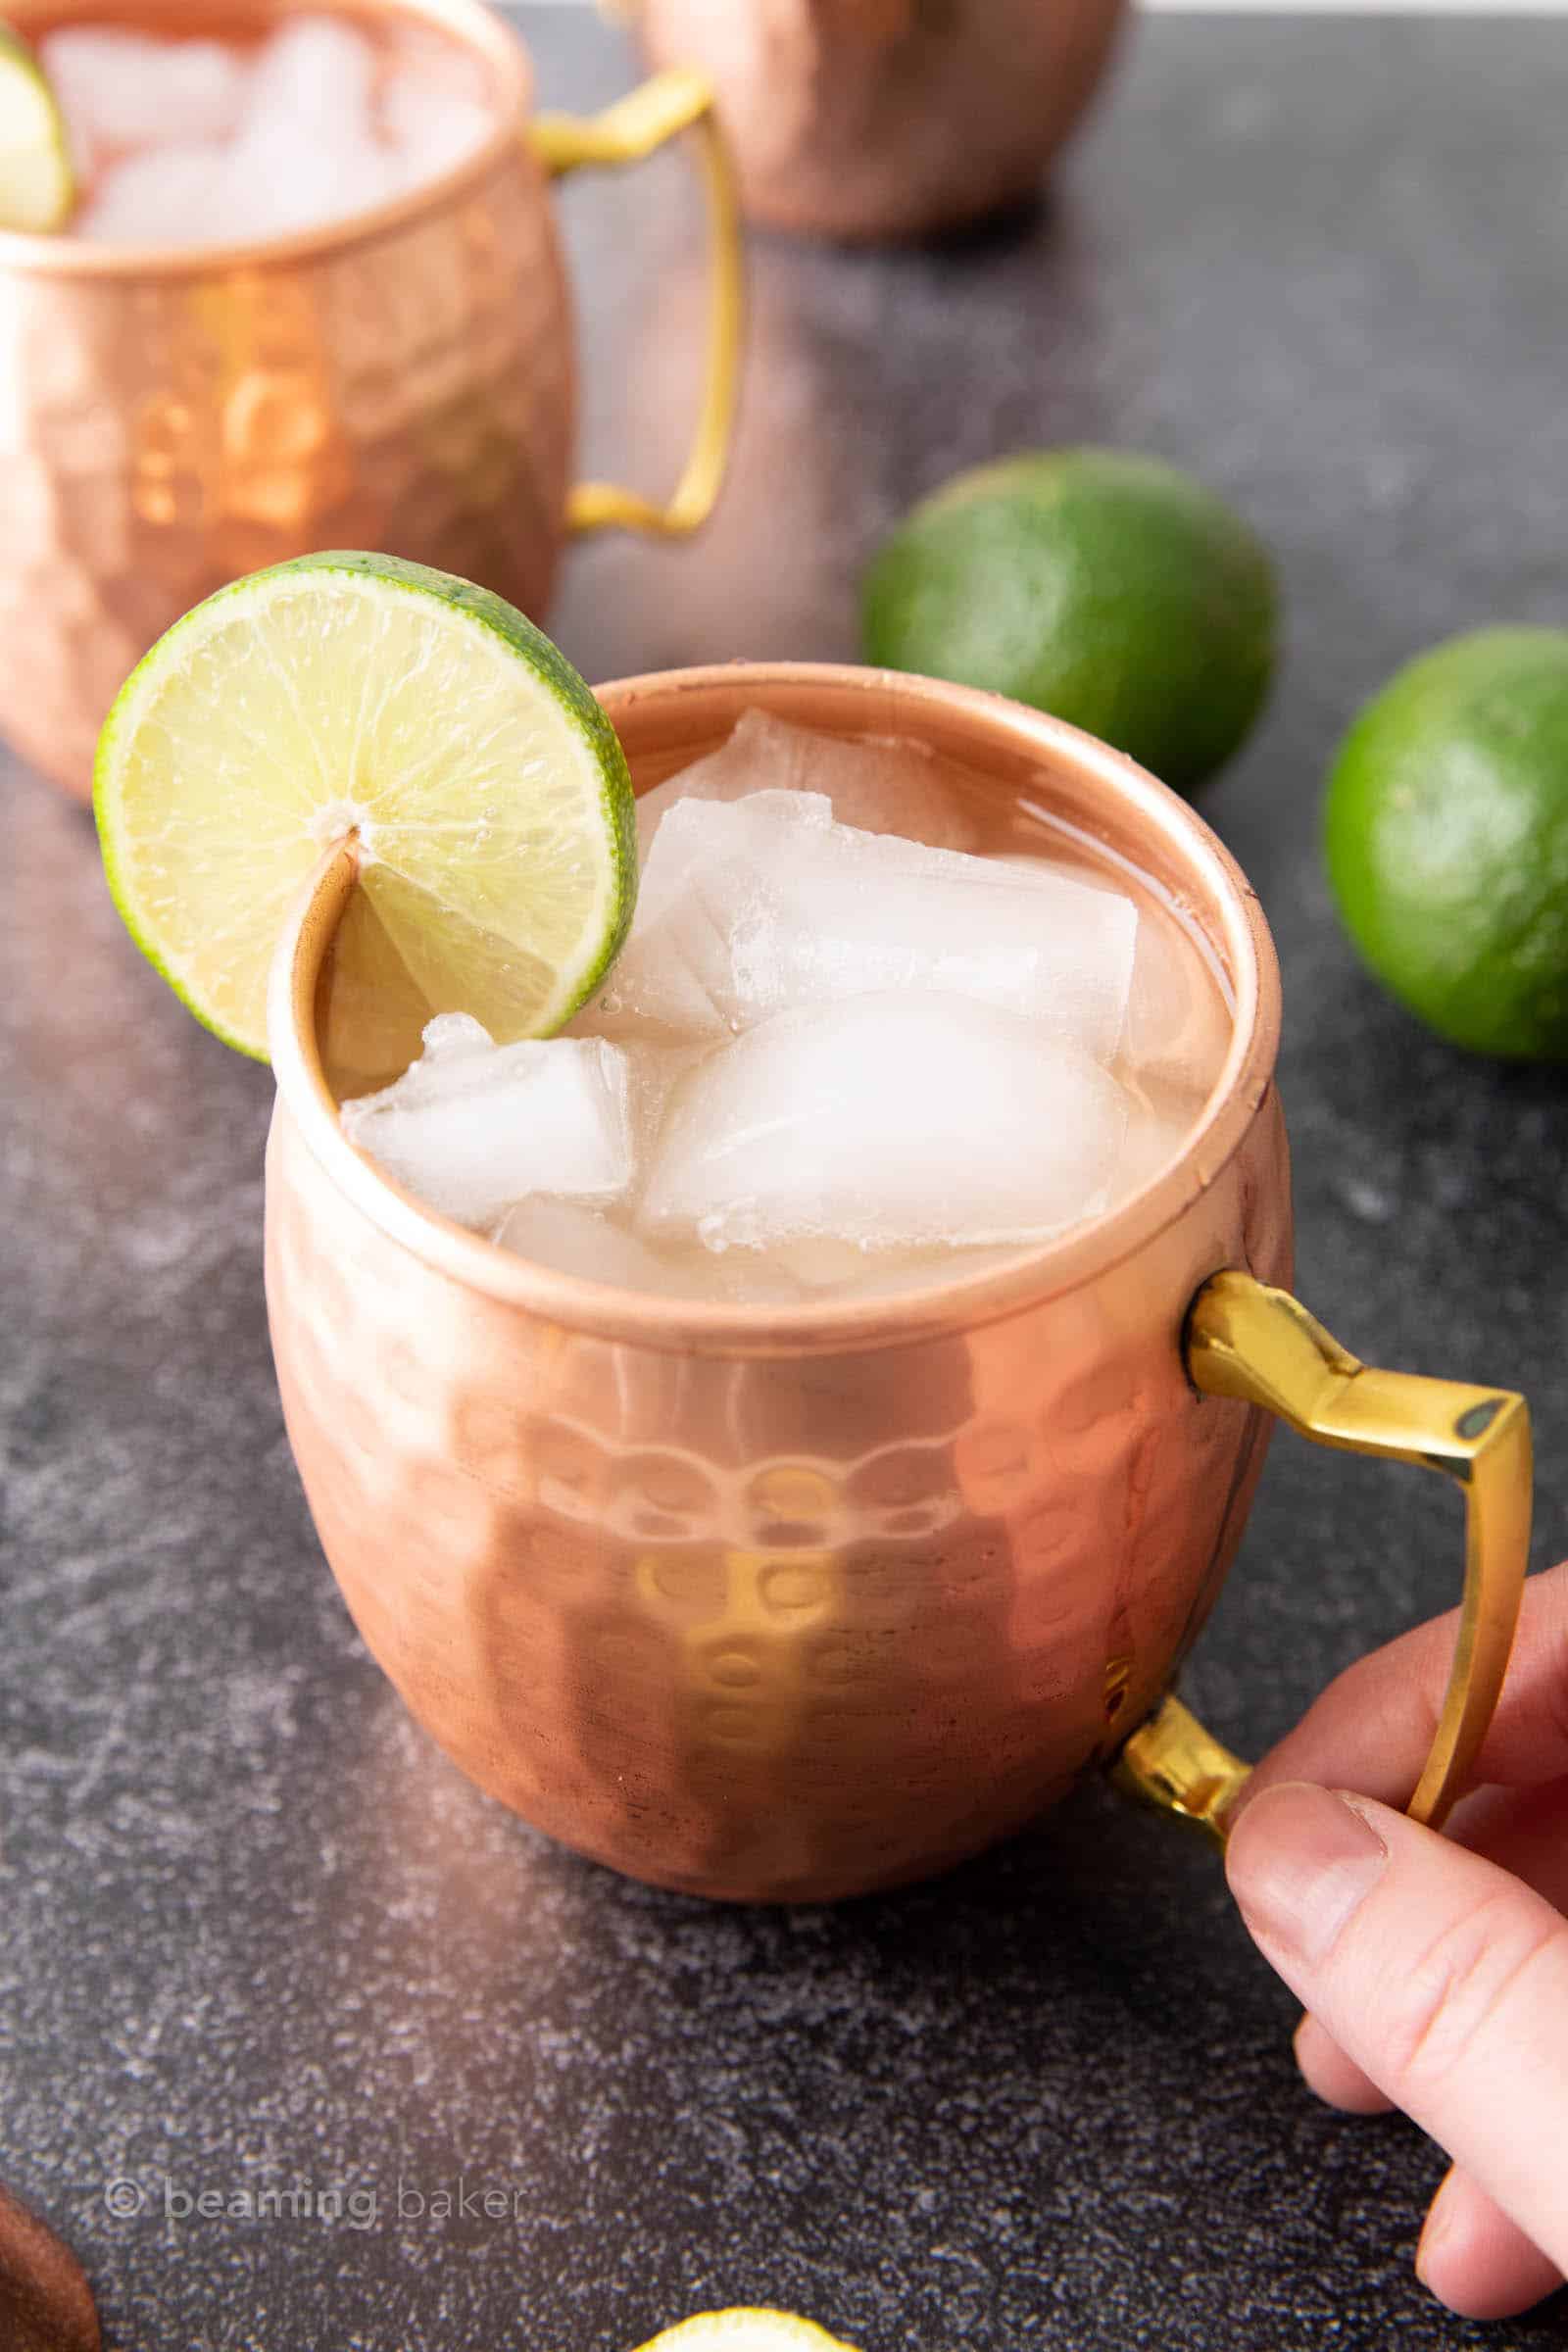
(1434, 1969)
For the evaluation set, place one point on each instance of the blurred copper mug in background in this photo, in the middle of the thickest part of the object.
(793, 1603)
(404, 380)
(888, 118)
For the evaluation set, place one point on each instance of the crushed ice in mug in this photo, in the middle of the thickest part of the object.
(840, 1056)
(200, 142)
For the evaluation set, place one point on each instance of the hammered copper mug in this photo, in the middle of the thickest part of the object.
(797, 1602)
(404, 380)
(860, 118)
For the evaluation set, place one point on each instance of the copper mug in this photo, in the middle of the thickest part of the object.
(795, 1604)
(404, 380)
(860, 118)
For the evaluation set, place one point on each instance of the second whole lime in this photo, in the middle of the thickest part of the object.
(1110, 589)
(1445, 831)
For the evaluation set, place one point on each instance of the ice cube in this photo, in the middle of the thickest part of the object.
(300, 146)
(705, 883)
(287, 136)
(852, 913)
(165, 196)
(653, 1073)
(306, 150)
(894, 1121)
(575, 1240)
(451, 1038)
(871, 781)
(279, 182)
(122, 90)
(431, 128)
(471, 1126)
(318, 73)
(752, 906)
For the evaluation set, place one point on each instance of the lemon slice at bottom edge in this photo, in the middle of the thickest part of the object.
(746, 2329)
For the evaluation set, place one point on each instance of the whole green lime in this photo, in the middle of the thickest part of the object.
(1445, 830)
(1110, 589)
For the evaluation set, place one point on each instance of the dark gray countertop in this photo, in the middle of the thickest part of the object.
(253, 1929)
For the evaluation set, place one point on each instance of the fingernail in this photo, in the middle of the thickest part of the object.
(1299, 1861)
(1438, 2224)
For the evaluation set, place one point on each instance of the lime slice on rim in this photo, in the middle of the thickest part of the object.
(746, 2331)
(37, 188)
(358, 695)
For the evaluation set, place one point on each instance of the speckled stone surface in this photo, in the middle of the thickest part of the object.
(254, 1931)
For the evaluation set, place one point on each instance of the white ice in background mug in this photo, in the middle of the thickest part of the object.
(208, 143)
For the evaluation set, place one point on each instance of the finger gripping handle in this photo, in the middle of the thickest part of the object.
(1246, 1340)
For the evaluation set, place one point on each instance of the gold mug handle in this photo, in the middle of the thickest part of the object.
(624, 133)
(1246, 1340)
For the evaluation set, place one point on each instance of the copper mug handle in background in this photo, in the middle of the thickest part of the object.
(1246, 1340)
(633, 128)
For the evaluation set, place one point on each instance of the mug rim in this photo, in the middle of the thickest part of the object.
(1050, 1270)
(468, 23)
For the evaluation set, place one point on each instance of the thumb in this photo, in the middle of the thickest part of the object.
(1442, 1977)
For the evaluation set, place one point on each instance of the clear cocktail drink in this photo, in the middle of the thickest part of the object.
(873, 1028)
